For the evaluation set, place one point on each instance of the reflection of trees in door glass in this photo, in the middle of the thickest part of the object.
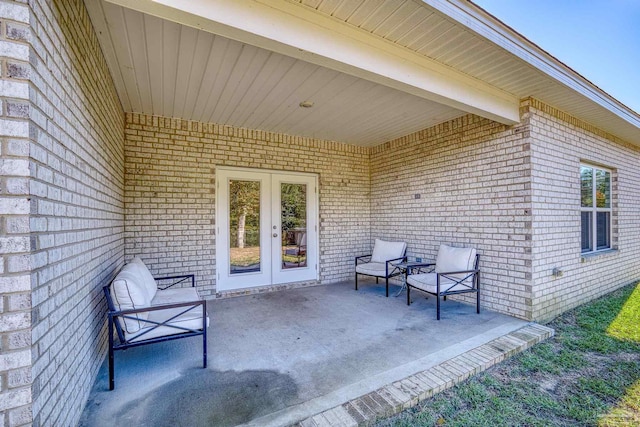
(294, 224)
(244, 224)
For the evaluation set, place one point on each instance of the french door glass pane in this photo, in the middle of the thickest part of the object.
(603, 233)
(244, 226)
(586, 232)
(586, 187)
(294, 225)
(603, 189)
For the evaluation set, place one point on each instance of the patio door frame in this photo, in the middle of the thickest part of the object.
(271, 265)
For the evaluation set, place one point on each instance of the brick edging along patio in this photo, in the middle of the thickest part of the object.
(394, 398)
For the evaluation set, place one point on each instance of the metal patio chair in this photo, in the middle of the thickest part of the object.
(456, 271)
(141, 312)
(381, 262)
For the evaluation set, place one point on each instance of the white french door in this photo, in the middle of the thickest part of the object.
(267, 228)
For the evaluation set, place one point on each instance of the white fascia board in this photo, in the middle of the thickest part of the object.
(480, 22)
(304, 34)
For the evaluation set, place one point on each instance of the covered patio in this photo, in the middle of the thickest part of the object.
(283, 357)
(127, 123)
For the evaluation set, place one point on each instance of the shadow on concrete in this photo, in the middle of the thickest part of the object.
(209, 398)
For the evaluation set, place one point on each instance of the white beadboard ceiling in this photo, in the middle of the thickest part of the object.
(167, 69)
(164, 68)
(461, 35)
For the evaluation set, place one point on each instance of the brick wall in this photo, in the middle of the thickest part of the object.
(15, 245)
(77, 208)
(559, 144)
(68, 172)
(170, 198)
(465, 183)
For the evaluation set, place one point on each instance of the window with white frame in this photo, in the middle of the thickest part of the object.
(595, 192)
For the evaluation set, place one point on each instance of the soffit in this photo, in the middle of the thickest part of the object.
(165, 68)
(464, 37)
(168, 69)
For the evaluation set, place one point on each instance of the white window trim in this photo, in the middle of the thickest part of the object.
(594, 209)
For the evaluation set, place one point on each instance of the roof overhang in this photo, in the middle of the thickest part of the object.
(492, 29)
(297, 32)
(421, 64)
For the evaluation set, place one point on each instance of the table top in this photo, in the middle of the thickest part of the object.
(406, 264)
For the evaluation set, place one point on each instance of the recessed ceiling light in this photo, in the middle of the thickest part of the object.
(306, 104)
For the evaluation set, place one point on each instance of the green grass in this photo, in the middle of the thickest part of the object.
(587, 375)
(626, 325)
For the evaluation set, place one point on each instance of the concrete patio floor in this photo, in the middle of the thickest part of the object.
(282, 357)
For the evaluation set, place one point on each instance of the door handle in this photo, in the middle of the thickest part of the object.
(275, 234)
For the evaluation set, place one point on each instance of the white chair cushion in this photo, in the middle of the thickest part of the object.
(128, 292)
(192, 319)
(384, 251)
(372, 269)
(428, 282)
(148, 281)
(452, 259)
(175, 295)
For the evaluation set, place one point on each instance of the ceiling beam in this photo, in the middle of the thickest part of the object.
(302, 33)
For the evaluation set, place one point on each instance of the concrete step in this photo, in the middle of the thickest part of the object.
(394, 398)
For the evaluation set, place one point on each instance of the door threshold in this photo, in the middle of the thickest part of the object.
(268, 288)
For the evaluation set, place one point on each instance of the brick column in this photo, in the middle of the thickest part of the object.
(15, 245)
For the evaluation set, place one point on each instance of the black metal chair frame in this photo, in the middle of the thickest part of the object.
(395, 271)
(114, 314)
(451, 275)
